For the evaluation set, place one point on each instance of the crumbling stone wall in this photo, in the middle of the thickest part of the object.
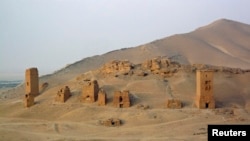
(112, 122)
(204, 89)
(174, 103)
(28, 100)
(115, 66)
(31, 81)
(102, 97)
(161, 66)
(90, 91)
(143, 107)
(156, 64)
(63, 94)
(121, 99)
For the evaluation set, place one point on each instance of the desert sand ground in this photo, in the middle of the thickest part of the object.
(76, 121)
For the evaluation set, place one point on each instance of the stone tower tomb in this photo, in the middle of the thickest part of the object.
(102, 98)
(204, 89)
(63, 94)
(28, 100)
(90, 91)
(121, 99)
(31, 81)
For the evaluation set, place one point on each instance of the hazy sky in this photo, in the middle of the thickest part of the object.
(49, 34)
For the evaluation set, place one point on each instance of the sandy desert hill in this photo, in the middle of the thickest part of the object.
(222, 46)
(222, 43)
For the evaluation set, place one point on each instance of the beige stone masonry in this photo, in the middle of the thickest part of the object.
(29, 100)
(204, 89)
(31, 81)
(121, 99)
(102, 98)
(63, 94)
(90, 91)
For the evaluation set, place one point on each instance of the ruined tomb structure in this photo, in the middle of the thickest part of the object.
(63, 94)
(174, 103)
(204, 89)
(121, 99)
(31, 81)
(90, 91)
(102, 97)
(115, 66)
(31, 86)
(28, 100)
(162, 66)
(112, 122)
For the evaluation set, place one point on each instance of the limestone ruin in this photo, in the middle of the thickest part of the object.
(161, 66)
(31, 86)
(31, 81)
(156, 64)
(112, 122)
(102, 97)
(115, 66)
(174, 104)
(28, 100)
(204, 89)
(121, 99)
(63, 94)
(90, 91)
(142, 107)
(43, 87)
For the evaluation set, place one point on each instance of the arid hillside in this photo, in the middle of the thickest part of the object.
(221, 43)
(153, 73)
(150, 84)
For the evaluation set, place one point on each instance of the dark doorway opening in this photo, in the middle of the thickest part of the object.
(207, 105)
(87, 98)
(121, 105)
(120, 99)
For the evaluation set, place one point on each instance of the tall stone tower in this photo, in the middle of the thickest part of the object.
(102, 97)
(204, 89)
(90, 91)
(31, 82)
(63, 94)
(29, 100)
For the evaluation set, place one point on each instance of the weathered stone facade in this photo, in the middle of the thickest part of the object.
(161, 66)
(63, 94)
(204, 89)
(102, 97)
(115, 66)
(174, 104)
(156, 64)
(90, 91)
(121, 99)
(29, 100)
(31, 81)
(31, 86)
